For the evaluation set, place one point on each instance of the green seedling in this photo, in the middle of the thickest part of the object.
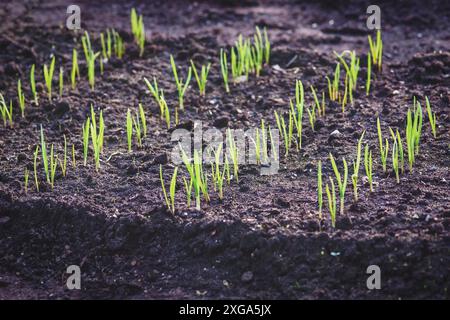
(264, 141)
(75, 72)
(91, 69)
(396, 137)
(90, 58)
(239, 57)
(224, 69)
(298, 114)
(138, 30)
(384, 150)
(395, 161)
(257, 52)
(249, 57)
(85, 132)
(180, 84)
(103, 43)
(346, 92)
(333, 86)
(119, 46)
(45, 156)
(165, 111)
(21, 98)
(431, 117)
(106, 45)
(233, 152)
(266, 45)
(35, 155)
(262, 45)
(272, 143)
(33, 85)
(129, 126)
(331, 196)
(413, 132)
(87, 48)
(74, 163)
(319, 106)
(143, 120)
(138, 129)
(188, 189)
(202, 78)
(227, 170)
(61, 81)
(419, 114)
(311, 116)
(368, 166)
(53, 166)
(258, 146)
(356, 165)
(202, 175)
(199, 179)
(154, 90)
(220, 177)
(26, 175)
(401, 153)
(5, 111)
(319, 188)
(342, 184)
(217, 174)
(170, 200)
(352, 70)
(257, 143)
(369, 73)
(48, 77)
(97, 136)
(376, 50)
(63, 163)
(286, 131)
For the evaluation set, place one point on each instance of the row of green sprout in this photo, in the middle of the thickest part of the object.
(92, 135)
(291, 133)
(352, 67)
(401, 148)
(246, 57)
(111, 43)
(196, 183)
(291, 129)
(49, 71)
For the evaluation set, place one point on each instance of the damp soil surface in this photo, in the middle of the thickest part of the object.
(264, 239)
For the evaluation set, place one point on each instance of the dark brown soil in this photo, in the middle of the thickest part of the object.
(264, 239)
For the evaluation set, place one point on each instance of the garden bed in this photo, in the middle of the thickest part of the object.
(264, 238)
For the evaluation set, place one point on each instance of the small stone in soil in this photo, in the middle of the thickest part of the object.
(319, 124)
(312, 225)
(221, 122)
(188, 125)
(21, 157)
(282, 203)
(160, 159)
(132, 169)
(334, 136)
(48, 106)
(12, 69)
(244, 188)
(247, 276)
(343, 223)
(4, 220)
(62, 107)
